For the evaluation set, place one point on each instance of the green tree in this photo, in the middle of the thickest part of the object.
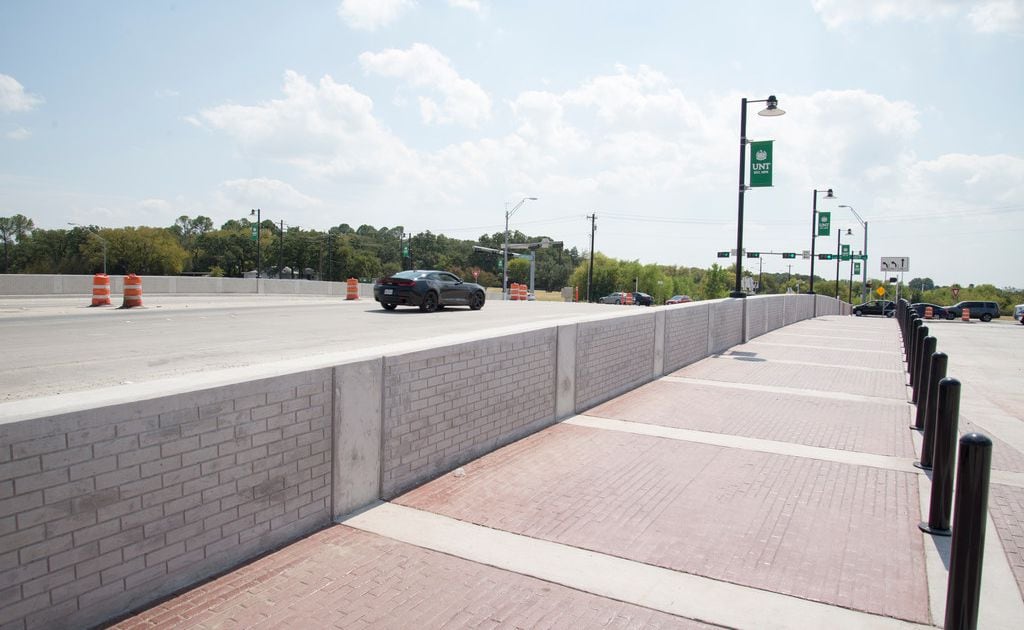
(714, 284)
(12, 230)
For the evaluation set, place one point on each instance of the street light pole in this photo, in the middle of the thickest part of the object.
(771, 110)
(864, 280)
(839, 237)
(102, 240)
(504, 268)
(814, 230)
(258, 219)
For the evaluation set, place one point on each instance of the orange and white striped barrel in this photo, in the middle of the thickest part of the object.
(132, 291)
(928, 312)
(101, 290)
(352, 290)
(627, 299)
(522, 292)
(965, 314)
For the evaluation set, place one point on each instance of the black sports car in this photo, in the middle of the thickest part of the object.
(430, 290)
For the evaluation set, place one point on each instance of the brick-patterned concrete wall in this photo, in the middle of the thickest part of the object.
(755, 320)
(726, 324)
(109, 508)
(446, 406)
(798, 308)
(686, 335)
(612, 357)
(774, 312)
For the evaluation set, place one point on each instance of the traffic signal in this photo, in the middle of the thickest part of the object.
(724, 254)
(826, 256)
(788, 255)
(753, 254)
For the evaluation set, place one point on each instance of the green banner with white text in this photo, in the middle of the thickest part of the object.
(824, 221)
(761, 163)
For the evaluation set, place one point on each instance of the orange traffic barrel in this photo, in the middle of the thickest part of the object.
(965, 314)
(928, 312)
(352, 289)
(101, 290)
(132, 291)
(522, 292)
(627, 299)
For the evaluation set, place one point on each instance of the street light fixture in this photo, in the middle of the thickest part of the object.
(839, 237)
(772, 109)
(102, 240)
(864, 280)
(504, 268)
(814, 230)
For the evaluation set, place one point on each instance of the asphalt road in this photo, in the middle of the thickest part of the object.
(56, 345)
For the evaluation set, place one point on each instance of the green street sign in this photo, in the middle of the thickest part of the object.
(789, 255)
(856, 268)
(844, 257)
(826, 256)
(846, 250)
(724, 254)
(753, 254)
(761, 163)
(501, 264)
(405, 251)
(824, 221)
(255, 233)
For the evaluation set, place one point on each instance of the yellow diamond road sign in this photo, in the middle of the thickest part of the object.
(880, 291)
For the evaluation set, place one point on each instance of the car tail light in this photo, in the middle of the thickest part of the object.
(398, 282)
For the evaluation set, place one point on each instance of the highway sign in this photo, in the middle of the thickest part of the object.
(895, 263)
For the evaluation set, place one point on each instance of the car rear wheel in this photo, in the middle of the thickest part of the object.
(429, 304)
(857, 312)
(477, 301)
(950, 315)
(986, 317)
(389, 307)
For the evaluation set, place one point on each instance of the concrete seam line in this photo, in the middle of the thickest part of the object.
(790, 449)
(808, 363)
(674, 592)
(811, 393)
(791, 345)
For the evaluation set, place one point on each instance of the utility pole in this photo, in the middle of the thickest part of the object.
(590, 273)
(280, 255)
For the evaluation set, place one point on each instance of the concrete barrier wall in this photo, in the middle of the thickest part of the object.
(686, 334)
(114, 505)
(446, 406)
(109, 508)
(798, 307)
(612, 357)
(774, 312)
(39, 284)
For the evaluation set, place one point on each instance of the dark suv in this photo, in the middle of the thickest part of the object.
(985, 311)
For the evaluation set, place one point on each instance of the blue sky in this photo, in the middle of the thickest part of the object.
(435, 114)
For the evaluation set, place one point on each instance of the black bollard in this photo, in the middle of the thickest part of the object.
(915, 325)
(939, 364)
(919, 356)
(924, 383)
(942, 467)
(963, 589)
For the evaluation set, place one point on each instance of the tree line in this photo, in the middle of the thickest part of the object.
(192, 245)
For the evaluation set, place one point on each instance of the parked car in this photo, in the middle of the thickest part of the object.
(613, 298)
(430, 290)
(642, 299)
(985, 311)
(875, 307)
(679, 299)
(938, 312)
(1018, 311)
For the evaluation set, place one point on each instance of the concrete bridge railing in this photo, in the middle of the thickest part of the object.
(112, 499)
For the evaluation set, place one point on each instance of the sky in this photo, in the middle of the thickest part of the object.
(442, 115)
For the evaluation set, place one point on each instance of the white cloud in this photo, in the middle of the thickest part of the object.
(264, 192)
(985, 16)
(14, 98)
(998, 16)
(469, 5)
(422, 66)
(325, 128)
(369, 15)
(19, 134)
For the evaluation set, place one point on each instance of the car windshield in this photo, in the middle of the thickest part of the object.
(408, 275)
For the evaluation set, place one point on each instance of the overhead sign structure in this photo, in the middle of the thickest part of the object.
(761, 163)
(895, 263)
(824, 222)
